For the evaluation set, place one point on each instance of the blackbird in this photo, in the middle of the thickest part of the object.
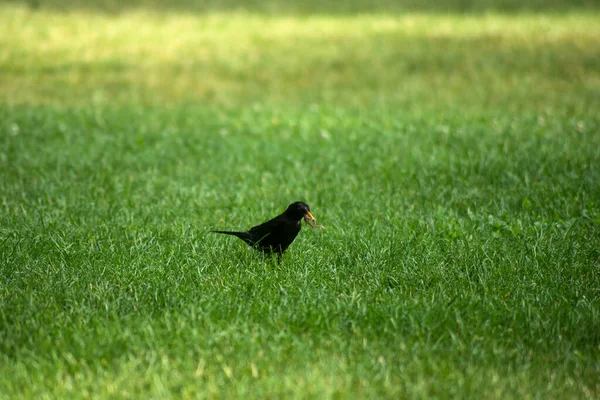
(275, 235)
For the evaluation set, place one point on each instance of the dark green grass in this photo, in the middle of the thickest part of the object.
(453, 160)
(460, 257)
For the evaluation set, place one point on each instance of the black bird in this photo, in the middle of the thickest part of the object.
(275, 235)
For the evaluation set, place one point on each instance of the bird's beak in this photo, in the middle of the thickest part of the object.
(310, 220)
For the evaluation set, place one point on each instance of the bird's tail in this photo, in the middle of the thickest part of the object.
(229, 233)
(242, 235)
(245, 236)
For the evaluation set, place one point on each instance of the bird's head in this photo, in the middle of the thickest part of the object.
(299, 210)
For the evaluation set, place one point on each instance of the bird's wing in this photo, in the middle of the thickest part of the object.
(264, 232)
(259, 232)
(277, 233)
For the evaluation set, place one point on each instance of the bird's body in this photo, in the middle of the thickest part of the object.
(275, 235)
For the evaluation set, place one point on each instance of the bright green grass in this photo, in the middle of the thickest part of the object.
(454, 161)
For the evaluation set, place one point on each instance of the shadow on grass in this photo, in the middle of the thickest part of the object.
(308, 7)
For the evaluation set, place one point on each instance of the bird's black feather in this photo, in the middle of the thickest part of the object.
(275, 235)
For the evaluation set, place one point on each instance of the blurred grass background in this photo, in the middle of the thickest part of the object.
(69, 52)
(318, 7)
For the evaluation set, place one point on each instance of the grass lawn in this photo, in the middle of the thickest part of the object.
(452, 155)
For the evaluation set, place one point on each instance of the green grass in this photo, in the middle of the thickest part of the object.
(453, 159)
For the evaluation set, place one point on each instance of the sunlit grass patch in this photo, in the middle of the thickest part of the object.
(533, 61)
